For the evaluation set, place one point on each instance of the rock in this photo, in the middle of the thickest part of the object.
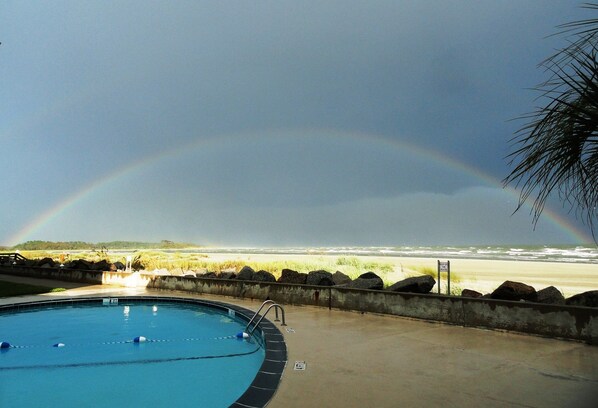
(263, 276)
(28, 262)
(587, 299)
(189, 274)
(367, 283)
(471, 293)
(79, 264)
(291, 276)
(368, 275)
(102, 265)
(510, 290)
(319, 278)
(227, 275)
(209, 275)
(45, 263)
(340, 278)
(246, 273)
(119, 266)
(550, 295)
(415, 284)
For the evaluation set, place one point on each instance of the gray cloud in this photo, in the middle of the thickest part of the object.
(89, 87)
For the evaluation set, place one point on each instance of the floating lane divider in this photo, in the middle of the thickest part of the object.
(4, 345)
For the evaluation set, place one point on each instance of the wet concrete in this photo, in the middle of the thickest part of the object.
(367, 360)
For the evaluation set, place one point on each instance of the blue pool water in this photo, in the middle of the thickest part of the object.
(192, 356)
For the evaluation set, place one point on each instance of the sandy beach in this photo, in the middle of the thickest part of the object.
(481, 275)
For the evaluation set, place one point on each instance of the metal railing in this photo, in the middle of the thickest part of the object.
(271, 304)
(12, 256)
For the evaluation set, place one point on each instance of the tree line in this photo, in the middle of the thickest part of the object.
(80, 245)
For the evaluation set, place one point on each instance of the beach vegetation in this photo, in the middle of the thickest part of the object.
(111, 245)
(428, 270)
(556, 150)
(357, 265)
(183, 261)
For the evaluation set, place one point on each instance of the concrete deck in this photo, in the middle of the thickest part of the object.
(366, 360)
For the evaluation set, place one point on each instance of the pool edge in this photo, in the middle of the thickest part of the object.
(266, 381)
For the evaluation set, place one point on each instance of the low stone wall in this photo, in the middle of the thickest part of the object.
(569, 322)
(81, 276)
(66, 275)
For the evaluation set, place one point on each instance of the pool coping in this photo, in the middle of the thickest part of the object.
(266, 381)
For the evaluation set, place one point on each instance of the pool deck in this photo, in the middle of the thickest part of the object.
(366, 360)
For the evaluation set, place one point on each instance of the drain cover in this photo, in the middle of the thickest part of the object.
(299, 365)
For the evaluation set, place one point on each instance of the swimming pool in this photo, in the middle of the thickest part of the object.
(136, 351)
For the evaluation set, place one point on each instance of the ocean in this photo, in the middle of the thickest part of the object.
(569, 254)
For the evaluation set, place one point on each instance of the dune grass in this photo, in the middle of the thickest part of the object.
(180, 261)
(426, 270)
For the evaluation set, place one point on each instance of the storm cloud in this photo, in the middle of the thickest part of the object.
(271, 123)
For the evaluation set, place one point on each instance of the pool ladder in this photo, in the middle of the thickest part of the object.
(271, 304)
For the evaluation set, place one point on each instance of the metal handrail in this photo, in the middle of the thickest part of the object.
(258, 311)
(274, 305)
(13, 256)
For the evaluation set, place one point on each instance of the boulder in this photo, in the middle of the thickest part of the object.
(550, 295)
(102, 265)
(209, 275)
(366, 283)
(340, 278)
(27, 262)
(291, 276)
(510, 290)
(263, 276)
(45, 263)
(368, 275)
(415, 284)
(80, 264)
(471, 293)
(319, 278)
(190, 274)
(227, 275)
(246, 273)
(587, 299)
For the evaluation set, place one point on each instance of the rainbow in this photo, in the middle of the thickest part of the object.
(29, 230)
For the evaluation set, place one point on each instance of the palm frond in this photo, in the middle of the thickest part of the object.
(556, 150)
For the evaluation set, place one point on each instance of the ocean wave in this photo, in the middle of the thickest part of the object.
(568, 254)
